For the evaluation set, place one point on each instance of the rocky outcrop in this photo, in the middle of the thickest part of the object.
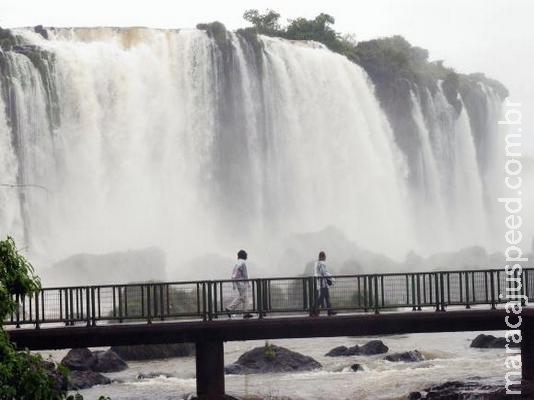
(370, 348)
(108, 361)
(152, 375)
(471, 390)
(271, 358)
(356, 367)
(86, 379)
(79, 360)
(407, 356)
(85, 367)
(154, 351)
(59, 379)
(483, 341)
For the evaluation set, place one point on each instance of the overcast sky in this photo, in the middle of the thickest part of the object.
(492, 36)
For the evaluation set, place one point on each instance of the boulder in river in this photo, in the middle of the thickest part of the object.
(271, 358)
(86, 379)
(152, 375)
(154, 351)
(373, 347)
(356, 367)
(370, 348)
(81, 359)
(472, 390)
(407, 356)
(108, 361)
(483, 341)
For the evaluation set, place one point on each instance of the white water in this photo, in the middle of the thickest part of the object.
(447, 358)
(164, 140)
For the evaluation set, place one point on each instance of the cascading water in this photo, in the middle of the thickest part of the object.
(197, 145)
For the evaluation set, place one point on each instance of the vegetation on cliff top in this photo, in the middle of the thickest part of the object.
(385, 59)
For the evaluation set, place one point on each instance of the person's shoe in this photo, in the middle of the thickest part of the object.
(228, 312)
(247, 316)
(331, 313)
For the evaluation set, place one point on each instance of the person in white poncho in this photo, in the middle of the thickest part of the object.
(239, 276)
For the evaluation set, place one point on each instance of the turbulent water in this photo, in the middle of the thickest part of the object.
(125, 138)
(447, 358)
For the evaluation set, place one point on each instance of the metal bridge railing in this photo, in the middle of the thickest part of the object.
(207, 300)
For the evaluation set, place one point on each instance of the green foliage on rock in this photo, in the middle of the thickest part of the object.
(269, 351)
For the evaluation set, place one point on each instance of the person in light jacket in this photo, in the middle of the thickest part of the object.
(324, 280)
(239, 276)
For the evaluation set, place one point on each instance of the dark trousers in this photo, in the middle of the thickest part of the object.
(323, 299)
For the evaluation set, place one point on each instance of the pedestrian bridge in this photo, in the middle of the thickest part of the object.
(173, 312)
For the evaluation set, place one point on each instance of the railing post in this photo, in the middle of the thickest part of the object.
(365, 294)
(413, 291)
(119, 295)
(467, 291)
(210, 304)
(148, 306)
(376, 294)
(17, 311)
(93, 306)
(88, 306)
(259, 297)
(36, 310)
(419, 292)
(442, 291)
(71, 301)
(161, 302)
(436, 288)
(204, 299)
(312, 285)
(492, 283)
(525, 288)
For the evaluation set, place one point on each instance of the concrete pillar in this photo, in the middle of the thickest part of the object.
(210, 370)
(527, 350)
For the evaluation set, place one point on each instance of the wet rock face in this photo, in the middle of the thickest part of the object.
(85, 367)
(79, 360)
(457, 390)
(86, 379)
(271, 358)
(491, 342)
(370, 348)
(154, 351)
(356, 367)
(407, 356)
(108, 361)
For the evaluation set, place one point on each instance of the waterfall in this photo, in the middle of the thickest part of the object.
(199, 145)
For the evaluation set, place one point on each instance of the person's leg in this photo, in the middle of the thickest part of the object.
(244, 299)
(327, 300)
(237, 300)
(319, 301)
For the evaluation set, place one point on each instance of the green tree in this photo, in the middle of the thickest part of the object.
(23, 376)
(267, 23)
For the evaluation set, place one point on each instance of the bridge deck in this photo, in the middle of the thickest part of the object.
(266, 328)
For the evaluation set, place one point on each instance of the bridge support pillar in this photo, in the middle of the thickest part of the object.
(210, 370)
(527, 351)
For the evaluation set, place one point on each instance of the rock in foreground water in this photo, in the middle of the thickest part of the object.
(154, 351)
(407, 356)
(483, 341)
(81, 359)
(370, 348)
(269, 359)
(86, 379)
(108, 361)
